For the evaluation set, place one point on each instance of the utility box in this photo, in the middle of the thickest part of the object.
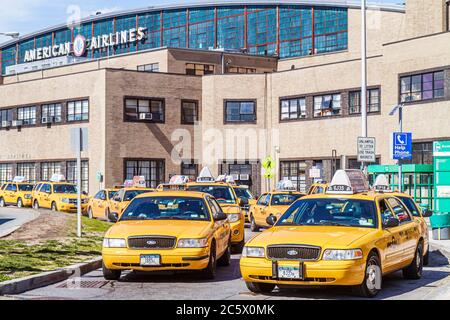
(440, 222)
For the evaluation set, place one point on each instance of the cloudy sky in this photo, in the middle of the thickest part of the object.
(27, 16)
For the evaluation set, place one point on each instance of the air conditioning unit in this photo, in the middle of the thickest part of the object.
(48, 119)
(6, 124)
(235, 177)
(145, 116)
(245, 177)
(17, 123)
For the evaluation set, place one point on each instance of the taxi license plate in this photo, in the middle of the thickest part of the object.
(150, 260)
(290, 272)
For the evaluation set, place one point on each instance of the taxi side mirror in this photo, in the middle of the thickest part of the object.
(252, 202)
(426, 213)
(271, 220)
(221, 216)
(113, 216)
(243, 202)
(391, 223)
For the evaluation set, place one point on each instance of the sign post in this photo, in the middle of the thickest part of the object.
(79, 142)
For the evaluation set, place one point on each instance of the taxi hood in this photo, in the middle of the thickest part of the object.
(171, 228)
(321, 236)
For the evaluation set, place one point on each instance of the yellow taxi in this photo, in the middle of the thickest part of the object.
(222, 190)
(348, 236)
(318, 188)
(382, 185)
(99, 205)
(247, 199)
(58, 196)
(273, 203)
(123, 197)
(168, 230)
(16, 193)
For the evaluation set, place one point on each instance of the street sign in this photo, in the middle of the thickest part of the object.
(441, 149)
(269, 175)
(401, 143)
(366, 150)
(79, 139)
(268, 163)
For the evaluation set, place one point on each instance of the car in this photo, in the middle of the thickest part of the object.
(99, 205)
(2, 187)
(168, 230)
(349, 236)
(318, 188)
(273, 203)
(123, 197)
(382, 185)
(222, 190)
(58, 196)
(248, 199)
(16, 193)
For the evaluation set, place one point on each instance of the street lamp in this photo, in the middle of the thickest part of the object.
(13, 35)
(394, 110)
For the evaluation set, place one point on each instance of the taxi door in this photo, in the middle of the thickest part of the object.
(44, 195)
(9, 193)
(98, 204)
(409, 229)
(262, 212)
(391, 239)
(221, 228)
(115, 201)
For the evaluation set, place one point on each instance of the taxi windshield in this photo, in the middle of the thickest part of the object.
(284, 199)
(166, 208)
(409, 203)
(111, 194)
(130, 195)
(64, 188)
(25, 187)
(331, 212)
(243, 193)
(223, 194)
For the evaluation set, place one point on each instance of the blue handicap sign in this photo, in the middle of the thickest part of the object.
(402, 146)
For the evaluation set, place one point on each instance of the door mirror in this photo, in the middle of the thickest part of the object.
(252, 202)
(271, 220)
(426, 213)
(391, 223)
(113, 216)
(242, 202)
(221, 216)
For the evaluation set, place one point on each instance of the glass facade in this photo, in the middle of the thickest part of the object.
(283, 30)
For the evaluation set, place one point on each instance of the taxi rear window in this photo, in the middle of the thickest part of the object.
(331, 212)
(284, 199)
(130, 195)
(26, 187)
(409, 203)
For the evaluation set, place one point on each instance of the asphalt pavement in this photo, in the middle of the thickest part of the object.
(12, 218)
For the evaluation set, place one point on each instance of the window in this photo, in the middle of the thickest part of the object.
(422, 153)
(201, 28)
(193, 69)
(5, 172)
(27, 115)
(264, 200)
(240, 111)
(189, 112)
(231, 27)
(241, 70)
(296, 38)
(400, 210)
(327, 105)
(296, 172)
(101, 195)
(6, 115)
(152, 170)
(420, 87)
(330, 29)
(152, 67)
(71, 170)
(174, 24)
(190, 169)
(146, 110)
(262, 30)
(27, 170)
(48, 169)
(293, 109)
(78, 110)
(373, 101)
(352, 163)
(51, 111)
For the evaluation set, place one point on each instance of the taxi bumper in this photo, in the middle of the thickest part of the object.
(237, 231)
(315, 272)
(26, 202)
(70, 208)
(174, 259)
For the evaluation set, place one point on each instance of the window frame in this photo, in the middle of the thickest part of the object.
(52, 106)
(204, 65)
(159, 176)
(322, 96)
(368, 103)
(74, 101)
(144, 66)
(255, 111)
(29, 108)
(289, 99)
(421, 73)
(183, 115)
(126, 118)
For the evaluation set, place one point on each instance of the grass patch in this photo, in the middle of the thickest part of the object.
(19, 258)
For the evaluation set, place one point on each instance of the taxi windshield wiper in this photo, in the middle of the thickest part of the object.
(332, 223)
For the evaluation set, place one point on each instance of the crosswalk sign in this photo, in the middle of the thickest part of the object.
(268, 163)
(269, 175)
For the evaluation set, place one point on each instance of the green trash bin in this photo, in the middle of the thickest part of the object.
(440, 223)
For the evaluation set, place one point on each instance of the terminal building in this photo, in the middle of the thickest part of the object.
(288, 72)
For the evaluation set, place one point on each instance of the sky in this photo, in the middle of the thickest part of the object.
(26, 16)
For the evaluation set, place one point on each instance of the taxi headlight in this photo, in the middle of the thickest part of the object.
(253, 252)
(234, 217)
(193, 243)
(353, 254)
(65, 200)
(114, 243)
(27, 196)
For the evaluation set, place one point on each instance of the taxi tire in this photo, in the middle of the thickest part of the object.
(238, 247)
(225, 259)
(89, 212)
(426, 257)
(209, 272)
(109, 274)
(258, 287)
(54, 208)
(19, 203)
(2, 203)
(362, 290)
(253, 226)
(35, 205)
(415, 269)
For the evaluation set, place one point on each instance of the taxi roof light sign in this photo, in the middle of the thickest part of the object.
(205, 175)
(57, 178)
(136, 182)
(285, 185)
(382, 184)
(348, 182)
(226, 179)
(178, 179)
(19, 179)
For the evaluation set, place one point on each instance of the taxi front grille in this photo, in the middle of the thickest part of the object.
(290, 252)
(151, 242)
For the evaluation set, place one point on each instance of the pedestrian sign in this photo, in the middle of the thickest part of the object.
(269, 175)
(268, 163)
(401, 143)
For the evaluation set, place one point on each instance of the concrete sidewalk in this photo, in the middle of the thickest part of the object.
(12, 218)
(441, 245)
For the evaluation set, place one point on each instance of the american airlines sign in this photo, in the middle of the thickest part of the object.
(81, 44)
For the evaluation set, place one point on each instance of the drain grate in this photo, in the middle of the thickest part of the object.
(83, 284)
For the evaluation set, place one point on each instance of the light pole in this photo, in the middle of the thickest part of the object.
(13, 35)
(394, 110)
(363, 76)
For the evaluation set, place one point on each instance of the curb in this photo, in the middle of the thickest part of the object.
(47, 278)
(9, 231)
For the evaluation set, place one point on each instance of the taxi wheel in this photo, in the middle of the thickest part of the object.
(109, 274)
(19, 203)
(210, 271)
(257, 287)
(90, 216)
(367, 289)
(54, 207)
(107, 215)
(237, 248)
(225, 259)
(426, 257)
(414, 270)
(36, 204)
(253, 226)
(2, 203)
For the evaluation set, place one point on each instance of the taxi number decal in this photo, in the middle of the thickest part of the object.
(339, 188)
